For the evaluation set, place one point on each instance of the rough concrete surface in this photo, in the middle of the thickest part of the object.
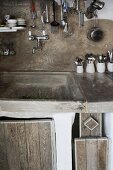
(58, 52)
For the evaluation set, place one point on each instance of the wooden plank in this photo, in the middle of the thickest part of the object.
(84, 131)
(91, 154)
(53, 146)
(11, 140)
(22, 145)
(26, 145)
(80, 154)
(3, 151)
(98, 130)
(33, 148)
(91, 148)
(102, 154)
(45, 145)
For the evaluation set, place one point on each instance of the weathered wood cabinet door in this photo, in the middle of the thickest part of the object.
(27, 145)
(91, 154)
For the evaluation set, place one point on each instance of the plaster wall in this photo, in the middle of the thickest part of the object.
(58, 53)
(106, 12)
(108, 127)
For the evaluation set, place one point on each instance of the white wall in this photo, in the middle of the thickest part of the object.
(106, 12)
(108, 128)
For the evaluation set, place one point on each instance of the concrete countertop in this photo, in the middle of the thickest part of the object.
(97, 90)
(96, 96)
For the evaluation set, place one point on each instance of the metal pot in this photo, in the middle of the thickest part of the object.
(95, 34)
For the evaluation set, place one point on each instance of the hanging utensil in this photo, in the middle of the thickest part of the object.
(67, 31)
(95, 34)
(47, 13)
(62, 23)
(81, 12)
(33, 14)
(77, 7)
(81, 18)
(54, 23)
(43, 16)
(95, 5)
(43, 11)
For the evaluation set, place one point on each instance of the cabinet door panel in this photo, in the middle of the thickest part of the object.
(32, 140)
(12, 148)
(22, 146)
(26, 145)
(45, 145)
(91, 153)
(3, 151)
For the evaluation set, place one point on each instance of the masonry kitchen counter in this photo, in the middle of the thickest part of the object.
(86, 92)
(98, 91)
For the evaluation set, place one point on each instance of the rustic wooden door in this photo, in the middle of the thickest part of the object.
(27, 145)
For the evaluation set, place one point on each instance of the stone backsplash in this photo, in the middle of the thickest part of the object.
(58, 52)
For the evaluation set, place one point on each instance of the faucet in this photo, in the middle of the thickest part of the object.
(7, 52)
(38, 39)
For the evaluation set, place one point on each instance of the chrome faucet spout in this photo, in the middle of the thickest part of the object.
(33, 50)
(38, 39)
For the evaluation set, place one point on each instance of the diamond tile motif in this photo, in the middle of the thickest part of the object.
(91, 123)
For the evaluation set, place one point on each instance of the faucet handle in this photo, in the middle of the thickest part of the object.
(29, 33)
(43, 32)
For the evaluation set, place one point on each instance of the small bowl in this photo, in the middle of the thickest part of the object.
(20, 20)
(11, 21)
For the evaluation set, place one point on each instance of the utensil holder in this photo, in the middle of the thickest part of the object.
(110, 67)
(100, 67)
(79, 68)
(90, 68)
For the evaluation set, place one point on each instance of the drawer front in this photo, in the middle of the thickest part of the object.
(90, 124)
(91, 154)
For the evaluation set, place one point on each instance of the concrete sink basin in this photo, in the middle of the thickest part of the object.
(59, 86)
(44, 95)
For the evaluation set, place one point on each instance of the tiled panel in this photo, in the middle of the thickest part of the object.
(90, 124)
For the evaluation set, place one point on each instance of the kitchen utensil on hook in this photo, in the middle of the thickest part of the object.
(81, 18)
(77, 7)
(43, 16)
(95, 5)
(62, 22)
(95, 34)
(67, 31)
(33, 14)
(81, 12)
(44, 10)
(47, 13)
(54, 23)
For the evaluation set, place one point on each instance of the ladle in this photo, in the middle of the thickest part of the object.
(54, 23)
